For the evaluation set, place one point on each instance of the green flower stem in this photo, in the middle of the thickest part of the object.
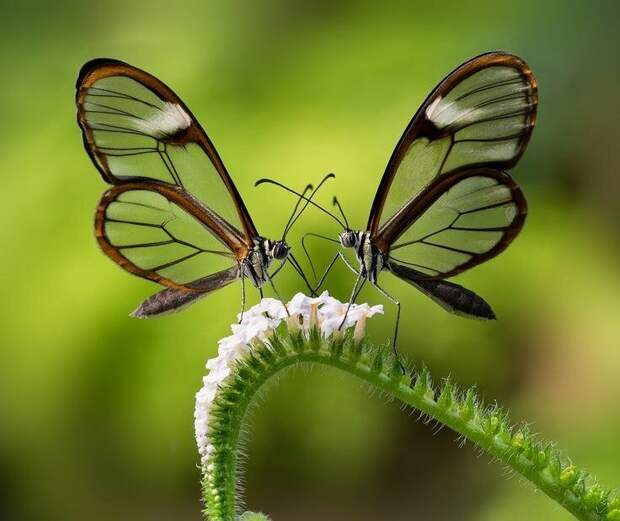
(488, 428)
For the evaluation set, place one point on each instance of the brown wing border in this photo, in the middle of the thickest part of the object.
(407, 216)
(179, 197)
(100, 68)
(421, 126)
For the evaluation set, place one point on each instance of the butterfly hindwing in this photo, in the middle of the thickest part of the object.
(452, 297)
(159, 232)
(170, 300)
(462, 219)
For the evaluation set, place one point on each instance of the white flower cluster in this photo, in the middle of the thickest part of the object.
(324, 312)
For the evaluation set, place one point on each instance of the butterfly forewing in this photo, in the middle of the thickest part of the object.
(161, 233)
(480, 115)
(136, 128)
(459, 221)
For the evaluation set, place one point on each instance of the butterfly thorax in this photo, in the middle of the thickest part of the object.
(260, 257)
(369, 256)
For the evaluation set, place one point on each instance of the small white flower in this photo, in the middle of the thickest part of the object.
(273, 308)
(330, 324)
(299, 305)
(257, 323)
(215, 377)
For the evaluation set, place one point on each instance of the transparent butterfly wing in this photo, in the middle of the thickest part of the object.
(161, 233)
(457, 222)
(480, 115)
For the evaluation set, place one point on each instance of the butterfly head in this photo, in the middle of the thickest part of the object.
(279, 250)
(349, 239)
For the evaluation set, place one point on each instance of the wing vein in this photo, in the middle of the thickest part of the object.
(123, 95)
(476, 91)
(136, 223)
(450, 248)
(508, 97)
(489, 140)
(176, 261)
(116, 110)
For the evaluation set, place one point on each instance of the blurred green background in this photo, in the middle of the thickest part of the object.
(96, 408)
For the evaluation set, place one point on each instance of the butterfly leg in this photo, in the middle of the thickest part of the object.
(356, 290)
(357, 287)
(277, 270)
(391, 299)
(325, 273)
(331, 265)
(347, 263)
(299, 271)
(303, 245)
(273, 287)
(397, 303)
(242, 298)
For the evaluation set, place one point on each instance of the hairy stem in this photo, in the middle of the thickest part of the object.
(487, 427)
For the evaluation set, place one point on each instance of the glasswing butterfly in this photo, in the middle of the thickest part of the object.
(174, 215)
(445, 203)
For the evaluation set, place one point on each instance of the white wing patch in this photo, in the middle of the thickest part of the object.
(431, 108)
(165, 122)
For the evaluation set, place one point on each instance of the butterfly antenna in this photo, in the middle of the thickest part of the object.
(292, 218)
(328, 176)
(309, 201)
(337, 203)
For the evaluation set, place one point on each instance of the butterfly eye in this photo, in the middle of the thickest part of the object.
(348, 239)
(280, 250)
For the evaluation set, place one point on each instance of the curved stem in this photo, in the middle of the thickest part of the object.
(488, 428)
